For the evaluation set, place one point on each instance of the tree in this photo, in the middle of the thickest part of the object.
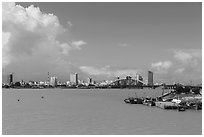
(186, 90)
(179, 89)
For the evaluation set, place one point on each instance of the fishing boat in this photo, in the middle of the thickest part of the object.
(181, 108)
(132, 100)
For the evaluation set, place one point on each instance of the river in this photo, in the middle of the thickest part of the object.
(91, 112)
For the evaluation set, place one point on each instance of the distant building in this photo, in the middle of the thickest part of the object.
(116, 78)
(139, 79)
(10, 79)
(128, 80)
(74, 79)
(118, 81)
(68, 83)
(53, 81)
(90, 81)
(42, 83)
(150, 78)
(31, 83)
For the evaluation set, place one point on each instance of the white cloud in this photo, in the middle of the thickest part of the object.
(161, 67)
(5, 56)
(179, 70)
(95, 71)
(190, 59)
(183, 56)
(28, 32)
(30, 38)
(69, 23)
(126, 72)
(108, 72)
(187, 56)
(186, 65)
(123, 45)
(78, 44)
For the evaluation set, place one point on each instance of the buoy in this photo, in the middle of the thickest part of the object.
(18, 100)
(42, 97)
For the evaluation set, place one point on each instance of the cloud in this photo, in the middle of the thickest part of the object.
(90, 70)
(95, 71)
(26, 30)
(123, 45)
(185, 65)
(5, 40)
(69, 23)
(182, 56)
(180, 70)
(186, 56)
(30, 38)
(161, 67)
(190, 59)
(78, 44)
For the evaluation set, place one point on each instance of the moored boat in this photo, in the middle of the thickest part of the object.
(134, 100)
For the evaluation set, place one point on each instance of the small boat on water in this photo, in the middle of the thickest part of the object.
(149, 101)
(181, 108)
(133, 100)
(127, 101)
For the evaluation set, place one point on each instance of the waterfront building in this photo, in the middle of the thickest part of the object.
(42, 83)
(35, 83)
(53, 81)
(47, 83)
(31, 83)
(83, 82)
(139, 79)
(74, 79)
(89, 81)
(68, 83)
(128, 80)
(10, 79)
(117, 81)
(150, 78)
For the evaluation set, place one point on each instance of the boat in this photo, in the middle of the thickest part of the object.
(181, 108)
(127, 101)
(132, 100)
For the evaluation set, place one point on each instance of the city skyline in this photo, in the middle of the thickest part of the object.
(103, 40)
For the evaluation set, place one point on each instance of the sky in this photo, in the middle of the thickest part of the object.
(102, 40)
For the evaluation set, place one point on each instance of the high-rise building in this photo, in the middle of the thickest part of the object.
(10, 79)
(89, 81)
(74, 79)
(53, 81)
(150, 78)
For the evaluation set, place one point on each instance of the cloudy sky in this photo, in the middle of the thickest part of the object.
(102, 40)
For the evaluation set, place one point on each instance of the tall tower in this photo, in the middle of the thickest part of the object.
(74, 78)
(53, 81)
(150, 78)
(77, 80)
(10, 79)
(89, 81)
(48, 78)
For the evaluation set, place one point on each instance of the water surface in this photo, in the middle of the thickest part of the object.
(91, 111)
